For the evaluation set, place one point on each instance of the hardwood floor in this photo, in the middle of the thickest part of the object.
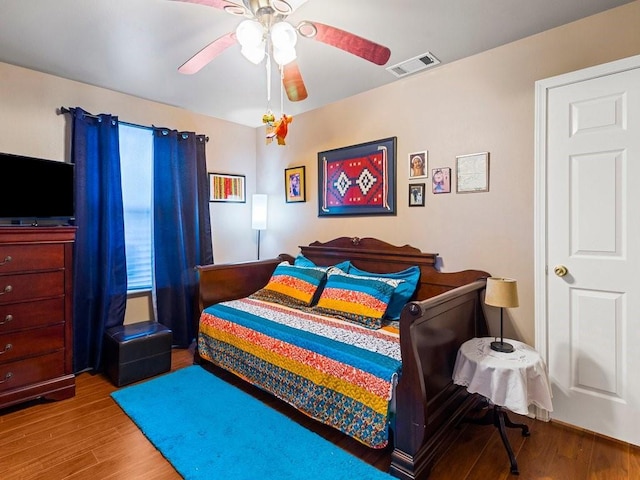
(89, 437)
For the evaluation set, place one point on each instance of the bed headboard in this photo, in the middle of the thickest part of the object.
(376, 256)
(222, 282)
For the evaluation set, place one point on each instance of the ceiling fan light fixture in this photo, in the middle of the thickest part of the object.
(250, 33)
(282, 56)
(253, 54)
(283, 35)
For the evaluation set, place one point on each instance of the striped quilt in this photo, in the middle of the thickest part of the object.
(337, 372)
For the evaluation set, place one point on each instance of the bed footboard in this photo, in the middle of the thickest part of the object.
(429, 404)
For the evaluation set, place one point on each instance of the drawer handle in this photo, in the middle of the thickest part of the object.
(7, 319)
(6, 260)
(7, 289)
(7, 348)
(7, 377)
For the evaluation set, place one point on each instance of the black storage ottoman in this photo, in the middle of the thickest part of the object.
(137, 351)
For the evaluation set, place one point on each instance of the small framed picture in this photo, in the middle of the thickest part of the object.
(472, 173)
(441, 180)
(418, 165)
(227, 188)
(416, 194)
(294, 184)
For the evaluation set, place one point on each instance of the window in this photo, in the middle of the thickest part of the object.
(136, 159)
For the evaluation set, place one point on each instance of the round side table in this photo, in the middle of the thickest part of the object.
(510, 381)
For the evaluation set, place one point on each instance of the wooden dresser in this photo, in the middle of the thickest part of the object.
(36, 348)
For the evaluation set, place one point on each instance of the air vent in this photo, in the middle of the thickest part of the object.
(413, 65)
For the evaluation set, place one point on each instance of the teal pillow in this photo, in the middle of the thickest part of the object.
(356, 298)
(303, 261)
(402, 293)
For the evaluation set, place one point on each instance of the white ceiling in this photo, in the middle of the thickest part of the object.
(136, 46)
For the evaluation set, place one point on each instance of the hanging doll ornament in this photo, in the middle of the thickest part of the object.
(276, 128)
(269, 120)
(279, 129)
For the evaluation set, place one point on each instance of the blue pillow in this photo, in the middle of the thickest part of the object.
(402, 293)
(302, 261)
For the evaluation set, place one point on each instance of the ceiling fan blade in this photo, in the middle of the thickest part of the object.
(211, 3)
(349, 42)
(293, 83)
(286, 7)
(230, 7)
(208, 53)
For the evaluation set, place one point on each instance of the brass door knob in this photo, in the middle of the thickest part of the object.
(560, 270)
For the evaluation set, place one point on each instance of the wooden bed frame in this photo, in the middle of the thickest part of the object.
(446, 312)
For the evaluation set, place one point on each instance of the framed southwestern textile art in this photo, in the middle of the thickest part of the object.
(358, 180)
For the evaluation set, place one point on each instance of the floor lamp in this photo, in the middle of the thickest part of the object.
(259, 214)
(503, 293)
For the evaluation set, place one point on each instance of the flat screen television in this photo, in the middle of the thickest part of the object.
(36, 189)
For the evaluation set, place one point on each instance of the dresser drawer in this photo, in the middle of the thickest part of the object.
(29, 343)
(18, 316)
(26, 286)
(20, 258)
(24, 372)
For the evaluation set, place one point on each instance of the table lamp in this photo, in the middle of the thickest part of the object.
(259, 214)
(503, 293)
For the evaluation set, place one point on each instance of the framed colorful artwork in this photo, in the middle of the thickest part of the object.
(416, 194)
(441, 180)
(472, 173)
(358, 180)
(294, 185)
(227, 188)
(419, 165)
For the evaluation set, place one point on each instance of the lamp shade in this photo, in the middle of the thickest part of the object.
(283, 35)
(250, 33)
(501, 292)
(254, 54)
(259, 211)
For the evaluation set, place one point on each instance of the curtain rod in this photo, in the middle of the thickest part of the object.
(64, 110)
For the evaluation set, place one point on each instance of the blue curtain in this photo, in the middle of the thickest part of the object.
(99, 269)
(182, 229)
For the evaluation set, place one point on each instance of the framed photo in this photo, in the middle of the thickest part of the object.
(358, 180)
(472, 173)
(441, 180)
(227, 188)
(294, 184)
(416, 194)
(418, 165)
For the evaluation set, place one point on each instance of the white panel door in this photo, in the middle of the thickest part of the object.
(593, 233)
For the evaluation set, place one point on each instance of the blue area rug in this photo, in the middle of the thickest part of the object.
(209, 429)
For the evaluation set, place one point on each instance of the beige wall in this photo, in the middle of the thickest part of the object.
(482, 103)
(30, 126)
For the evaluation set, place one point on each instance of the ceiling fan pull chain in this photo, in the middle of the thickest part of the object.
(268, 67)
(281, 89)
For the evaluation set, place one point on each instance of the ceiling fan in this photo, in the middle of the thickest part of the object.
(266, 33)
